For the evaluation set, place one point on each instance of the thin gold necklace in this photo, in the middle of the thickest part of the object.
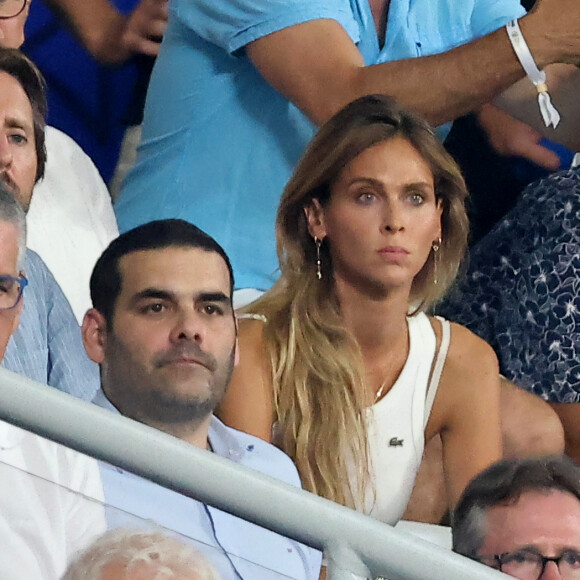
(380, 391)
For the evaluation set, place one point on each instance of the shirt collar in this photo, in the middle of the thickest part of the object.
(221, 438)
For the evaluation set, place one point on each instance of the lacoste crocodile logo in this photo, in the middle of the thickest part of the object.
(394, 442)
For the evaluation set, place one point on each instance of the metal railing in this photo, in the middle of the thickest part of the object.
(356, 546)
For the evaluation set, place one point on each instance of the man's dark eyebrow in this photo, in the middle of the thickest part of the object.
(219, 297)
(214, 297)
(152, 293)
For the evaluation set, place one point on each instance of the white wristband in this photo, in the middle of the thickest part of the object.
(549, 113)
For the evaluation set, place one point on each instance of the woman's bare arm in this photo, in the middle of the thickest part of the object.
(467, 411)
(248, 404)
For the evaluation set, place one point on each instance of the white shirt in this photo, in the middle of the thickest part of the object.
(71, 219)
(50, 505)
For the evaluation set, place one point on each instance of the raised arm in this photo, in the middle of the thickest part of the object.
(467, 411)
(110, 36)
(318, 67)
(249, 404)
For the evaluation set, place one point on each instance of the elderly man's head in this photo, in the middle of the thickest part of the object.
(22, 121)
(13, 14)
(124, 554)
(523, 517)
(12, 248)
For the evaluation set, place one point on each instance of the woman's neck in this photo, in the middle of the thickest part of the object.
(377, 323)
(379, 326)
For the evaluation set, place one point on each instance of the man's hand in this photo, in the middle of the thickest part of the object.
(510, 137)
(110, 36)
(142, 31)
(551, 31)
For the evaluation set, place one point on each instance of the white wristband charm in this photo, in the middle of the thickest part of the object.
(549, 113)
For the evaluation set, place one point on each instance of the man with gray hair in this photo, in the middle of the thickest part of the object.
(44, 514)
(131, 554)
(523, 517)
(12, 280)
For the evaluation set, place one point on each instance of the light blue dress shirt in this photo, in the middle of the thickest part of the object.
(47, 346)
(219, 143)
(253, 553)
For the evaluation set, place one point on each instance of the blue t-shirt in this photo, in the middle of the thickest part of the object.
(219, 143)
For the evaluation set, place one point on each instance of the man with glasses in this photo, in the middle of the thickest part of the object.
(13, 14)
(12, 280)
(44, 514)
(47, 346)
(523, 517)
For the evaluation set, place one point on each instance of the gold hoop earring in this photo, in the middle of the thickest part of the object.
(318, 243)
(436, 246)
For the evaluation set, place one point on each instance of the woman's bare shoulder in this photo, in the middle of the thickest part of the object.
(465, 348)
(251, 331)
(471, 369)
(248, 403)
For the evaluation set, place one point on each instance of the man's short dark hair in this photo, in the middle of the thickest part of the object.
(106, 278)
(21, 68)
(503, 484)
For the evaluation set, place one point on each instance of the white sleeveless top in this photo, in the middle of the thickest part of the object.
(396, 423)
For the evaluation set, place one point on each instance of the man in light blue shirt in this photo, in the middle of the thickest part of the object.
(47, 346)
(240, 86)
(164, 334)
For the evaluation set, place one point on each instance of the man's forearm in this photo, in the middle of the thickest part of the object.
(441, 87)
(93, 23)
(445, 86)
(110, 36)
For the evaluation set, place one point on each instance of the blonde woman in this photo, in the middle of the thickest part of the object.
(340, 366)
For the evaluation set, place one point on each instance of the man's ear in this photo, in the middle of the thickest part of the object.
(315, 218)
(94, 332)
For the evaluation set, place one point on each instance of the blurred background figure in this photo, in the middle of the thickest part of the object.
(74, 44)
(71, 219)
(125, 554)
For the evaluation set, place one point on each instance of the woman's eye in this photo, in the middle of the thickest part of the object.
(366, 198)
(416, 198)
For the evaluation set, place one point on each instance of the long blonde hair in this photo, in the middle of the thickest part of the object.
(317, 367)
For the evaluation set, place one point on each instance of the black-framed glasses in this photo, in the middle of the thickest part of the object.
(529, 564)
(11, 8)
(11, 289)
